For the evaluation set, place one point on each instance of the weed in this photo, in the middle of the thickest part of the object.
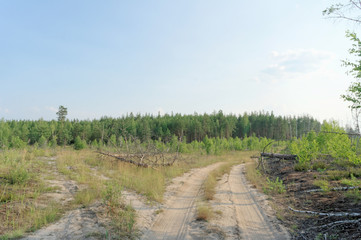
(123, 216)
(354, 195)
(323, 184)
(319, 166)
(204, 212)
(85, 197)
(158, 211)
(274, 187)
(17, 175)
(337, 174)
(353, 182)
(302, 166)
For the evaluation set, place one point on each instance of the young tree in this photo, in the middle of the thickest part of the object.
(62, 112)
(353, 94)
(350, 10)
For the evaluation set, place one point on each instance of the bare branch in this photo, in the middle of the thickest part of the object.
(335, 214)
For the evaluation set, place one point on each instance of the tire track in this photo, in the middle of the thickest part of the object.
(244, 217)
(179, 211)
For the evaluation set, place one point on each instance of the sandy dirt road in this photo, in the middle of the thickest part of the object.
(242, 215)
(179, 211)
(245, 213)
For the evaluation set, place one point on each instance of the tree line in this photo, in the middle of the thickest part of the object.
(187, 128)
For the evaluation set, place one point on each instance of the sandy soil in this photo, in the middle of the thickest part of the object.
(78, 224)
(179, 209)
(83, 223)
(245, 213)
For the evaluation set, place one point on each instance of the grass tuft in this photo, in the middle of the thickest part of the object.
(204, 212)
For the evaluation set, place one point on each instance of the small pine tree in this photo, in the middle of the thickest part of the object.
(79, 144)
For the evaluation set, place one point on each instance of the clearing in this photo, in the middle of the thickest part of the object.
(242, 211)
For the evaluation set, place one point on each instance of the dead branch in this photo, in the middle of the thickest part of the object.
(336, 214)
(333, 224)
(124, 159)
(279, 156)
(332, 189)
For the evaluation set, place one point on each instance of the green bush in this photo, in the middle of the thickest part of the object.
(79, 144)
(274, 187)
(17, 175)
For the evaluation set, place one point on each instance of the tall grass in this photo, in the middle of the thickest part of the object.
(20, 188)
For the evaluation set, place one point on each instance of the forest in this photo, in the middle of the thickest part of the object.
(186, 128)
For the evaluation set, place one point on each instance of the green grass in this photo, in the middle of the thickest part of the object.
(22, 185)
(20, 188)
(274, 186)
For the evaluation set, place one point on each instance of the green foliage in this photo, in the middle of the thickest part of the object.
(16, 142)
(323, 184)
(123, 216)
(332, 141)
(305, 150)
(352, 182)
(302, 166)
(17, 175)
(274, 187)
(42, 141)
(62, 112)
(189, 128)
(208, 145)
(79, 144)
(354, 195)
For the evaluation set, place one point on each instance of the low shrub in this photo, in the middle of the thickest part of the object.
(274, 187)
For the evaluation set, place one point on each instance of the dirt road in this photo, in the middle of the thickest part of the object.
(173, 222)
(244, 211)
(243, 215)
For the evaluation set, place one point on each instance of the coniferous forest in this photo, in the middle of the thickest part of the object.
(188, 128)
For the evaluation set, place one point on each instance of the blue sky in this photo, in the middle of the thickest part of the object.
(110, 58)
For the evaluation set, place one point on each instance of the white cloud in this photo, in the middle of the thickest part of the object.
(295, 62)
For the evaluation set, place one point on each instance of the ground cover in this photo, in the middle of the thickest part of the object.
(39, 185)
(322, 202)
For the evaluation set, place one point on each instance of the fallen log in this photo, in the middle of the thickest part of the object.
(331, 214)
(125, 160)
(333, 224)
(279, 156)
(332, 189)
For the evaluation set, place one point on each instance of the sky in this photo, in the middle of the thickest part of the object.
(110, 58)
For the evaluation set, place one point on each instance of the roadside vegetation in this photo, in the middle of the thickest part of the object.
(317, 195)
(27, 200)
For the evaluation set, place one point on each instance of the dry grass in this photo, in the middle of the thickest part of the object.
(21, 209)
(254, 176)
(204, 211)
(23, 175)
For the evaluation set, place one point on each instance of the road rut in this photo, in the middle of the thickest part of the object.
(244, 215)
(173, 222)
